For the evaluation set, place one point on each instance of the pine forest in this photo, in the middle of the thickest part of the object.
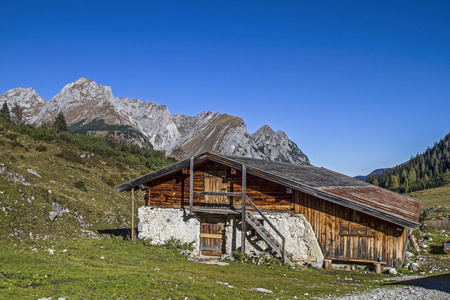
(424, 171)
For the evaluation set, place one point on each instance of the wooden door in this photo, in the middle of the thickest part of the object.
(215, 181)
(212, 233)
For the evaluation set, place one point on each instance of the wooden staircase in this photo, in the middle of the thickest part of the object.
(268, 238)
(278, 248)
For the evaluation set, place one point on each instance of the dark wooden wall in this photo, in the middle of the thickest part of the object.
(341, 232)
(345, 233)
(173, 190)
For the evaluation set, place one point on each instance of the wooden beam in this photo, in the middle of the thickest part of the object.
(191, 183)
(211, 235)
(360, 260)
(132, 213)
(406, 244)
(218, 194)
(244, 193)
(211, 253)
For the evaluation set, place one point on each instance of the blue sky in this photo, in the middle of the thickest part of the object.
(358, 85)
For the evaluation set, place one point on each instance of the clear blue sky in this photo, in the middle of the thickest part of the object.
(358, 85)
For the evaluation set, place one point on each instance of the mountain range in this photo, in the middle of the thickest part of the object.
(92, 109)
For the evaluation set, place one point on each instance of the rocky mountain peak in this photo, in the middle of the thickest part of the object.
(79, 100)
(278, 147)
(27, 99)
(23, 97)
(85, 103)
(84, 90)
(264, 131)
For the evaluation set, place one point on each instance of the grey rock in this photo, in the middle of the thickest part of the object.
(53, 215)
(57, 207)
(392, 271)
(31, 171)
(409, 254)
(262, 290)
(316, 264)
(414, 267)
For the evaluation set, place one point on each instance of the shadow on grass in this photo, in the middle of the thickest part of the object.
(439, 282)
(437, 249)
(125, 233)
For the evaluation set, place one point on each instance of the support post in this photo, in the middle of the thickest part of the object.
(132, 214)
(244, 193)
(191, 184)
(377, 267)
(327, 264)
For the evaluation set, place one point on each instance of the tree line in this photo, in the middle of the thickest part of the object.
(424, 171)
(57, 130)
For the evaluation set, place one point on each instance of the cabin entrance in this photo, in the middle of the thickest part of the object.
(212, 236)
(216, 181)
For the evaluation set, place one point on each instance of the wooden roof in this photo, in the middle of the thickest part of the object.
(320, 182)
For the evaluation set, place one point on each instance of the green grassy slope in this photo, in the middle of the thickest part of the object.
(433, 197)
(117, 269)
(435, 207)
(35, 174)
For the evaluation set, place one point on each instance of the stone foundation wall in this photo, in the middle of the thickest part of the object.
(161, 224)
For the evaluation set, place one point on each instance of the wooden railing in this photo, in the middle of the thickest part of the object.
(283, 253)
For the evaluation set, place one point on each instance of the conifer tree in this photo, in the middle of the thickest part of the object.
(4, 113)
(18, 114)
(412, 175)
(394, 182)
(406, 188)
(60, 124)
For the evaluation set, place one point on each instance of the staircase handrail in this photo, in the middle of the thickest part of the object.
(271, 225)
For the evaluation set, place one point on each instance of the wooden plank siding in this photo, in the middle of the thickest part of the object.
(173, 190)
(341, 232)
(369, 239)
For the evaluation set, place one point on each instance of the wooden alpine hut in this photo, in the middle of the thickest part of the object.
(300, 212)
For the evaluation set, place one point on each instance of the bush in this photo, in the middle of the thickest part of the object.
(174, 243)
(65, 136)
(16, 144)
(108, 180)
(70, 156)
(125, 153)
(11, 136)
(241, 257)
(41, 148)
(80, 185)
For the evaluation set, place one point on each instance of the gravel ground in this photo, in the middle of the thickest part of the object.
(411, 287)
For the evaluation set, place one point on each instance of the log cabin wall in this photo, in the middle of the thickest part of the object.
(173, 190)
(345, 233)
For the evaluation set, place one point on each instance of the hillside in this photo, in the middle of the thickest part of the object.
(39, 179)
(427, 170)
(435, 206)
